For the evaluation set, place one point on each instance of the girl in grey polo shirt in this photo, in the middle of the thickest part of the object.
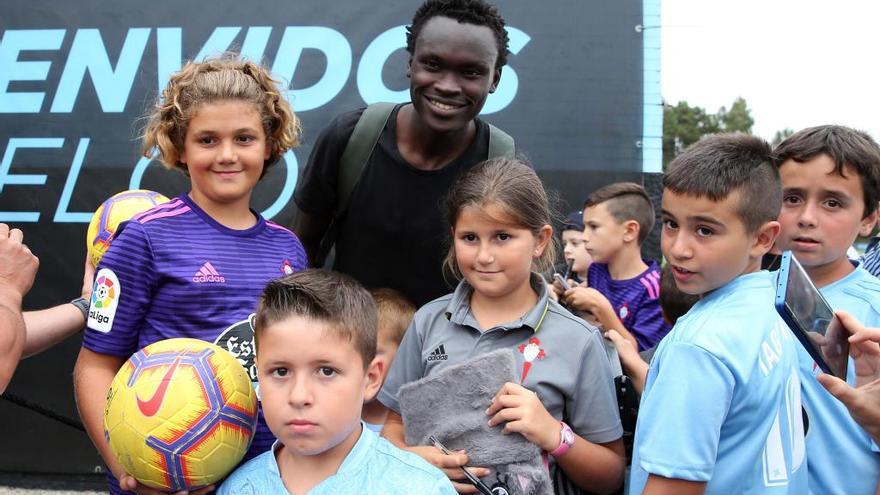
(565, 402)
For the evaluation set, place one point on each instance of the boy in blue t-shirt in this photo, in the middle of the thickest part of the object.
(622, 289)
(830, 178)
(721, 411)
(316, 359)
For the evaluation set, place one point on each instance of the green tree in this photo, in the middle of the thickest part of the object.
(738, 118)
(684, 125)
(781, 135)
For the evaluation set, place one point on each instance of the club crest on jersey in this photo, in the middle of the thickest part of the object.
(623, 312)
(238, 339)
(286, 267)
(105, 299)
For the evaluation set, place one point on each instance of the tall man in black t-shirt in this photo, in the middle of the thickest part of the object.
(393, 233)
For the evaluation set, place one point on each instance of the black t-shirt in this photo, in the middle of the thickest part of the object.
(394, 233)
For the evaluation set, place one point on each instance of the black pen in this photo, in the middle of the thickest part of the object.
(485, 490)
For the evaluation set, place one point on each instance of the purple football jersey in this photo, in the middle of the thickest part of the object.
(173, 271)
(635, 301)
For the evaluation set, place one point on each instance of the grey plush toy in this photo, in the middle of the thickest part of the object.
(451, 405)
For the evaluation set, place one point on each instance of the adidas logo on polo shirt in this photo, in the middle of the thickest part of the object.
(207, 273)
(438, 354)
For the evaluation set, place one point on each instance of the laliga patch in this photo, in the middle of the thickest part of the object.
(105, 300)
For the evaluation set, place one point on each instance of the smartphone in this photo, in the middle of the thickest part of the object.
(471, 477)
(810, 317)
(559, 278)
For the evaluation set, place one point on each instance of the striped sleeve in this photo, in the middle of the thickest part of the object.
(124, 282)
(871, 259)
(647, 323)
(299, 260)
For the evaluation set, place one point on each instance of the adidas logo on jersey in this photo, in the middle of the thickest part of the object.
(208, 274)
(438, 354)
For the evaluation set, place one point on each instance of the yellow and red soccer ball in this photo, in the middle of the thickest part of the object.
(180, 414)
(115, 210)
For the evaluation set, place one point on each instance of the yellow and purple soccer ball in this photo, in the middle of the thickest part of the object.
(180, 414)
(115, 210)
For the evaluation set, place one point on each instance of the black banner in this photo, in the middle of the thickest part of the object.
(75, 77)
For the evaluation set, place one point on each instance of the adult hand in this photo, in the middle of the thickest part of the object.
(128, 482)
(451, 465)
(522, 412)
(18, 266)
(863, 401)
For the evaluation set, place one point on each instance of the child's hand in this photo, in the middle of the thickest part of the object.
(128, 482)
(553, 290)
(629, 354)
(522, 412)
(633, 364)
(587, 299)
(557, 290)
(451, 465)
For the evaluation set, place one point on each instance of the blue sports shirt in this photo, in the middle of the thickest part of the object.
(841, 458)
(722, 401)
(373, 467)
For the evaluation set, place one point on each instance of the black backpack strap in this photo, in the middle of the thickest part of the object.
(358, 150)
(500, 143)
(354, 159)
(357, 153)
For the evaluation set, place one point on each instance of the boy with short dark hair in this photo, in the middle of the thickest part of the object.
(395, 313)
(831, 185)
(577, 259)
(315, 333)
(720, 412)
(622, 288)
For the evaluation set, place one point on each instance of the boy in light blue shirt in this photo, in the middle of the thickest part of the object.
(721, 410)
(830, 179)
(316, 362)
